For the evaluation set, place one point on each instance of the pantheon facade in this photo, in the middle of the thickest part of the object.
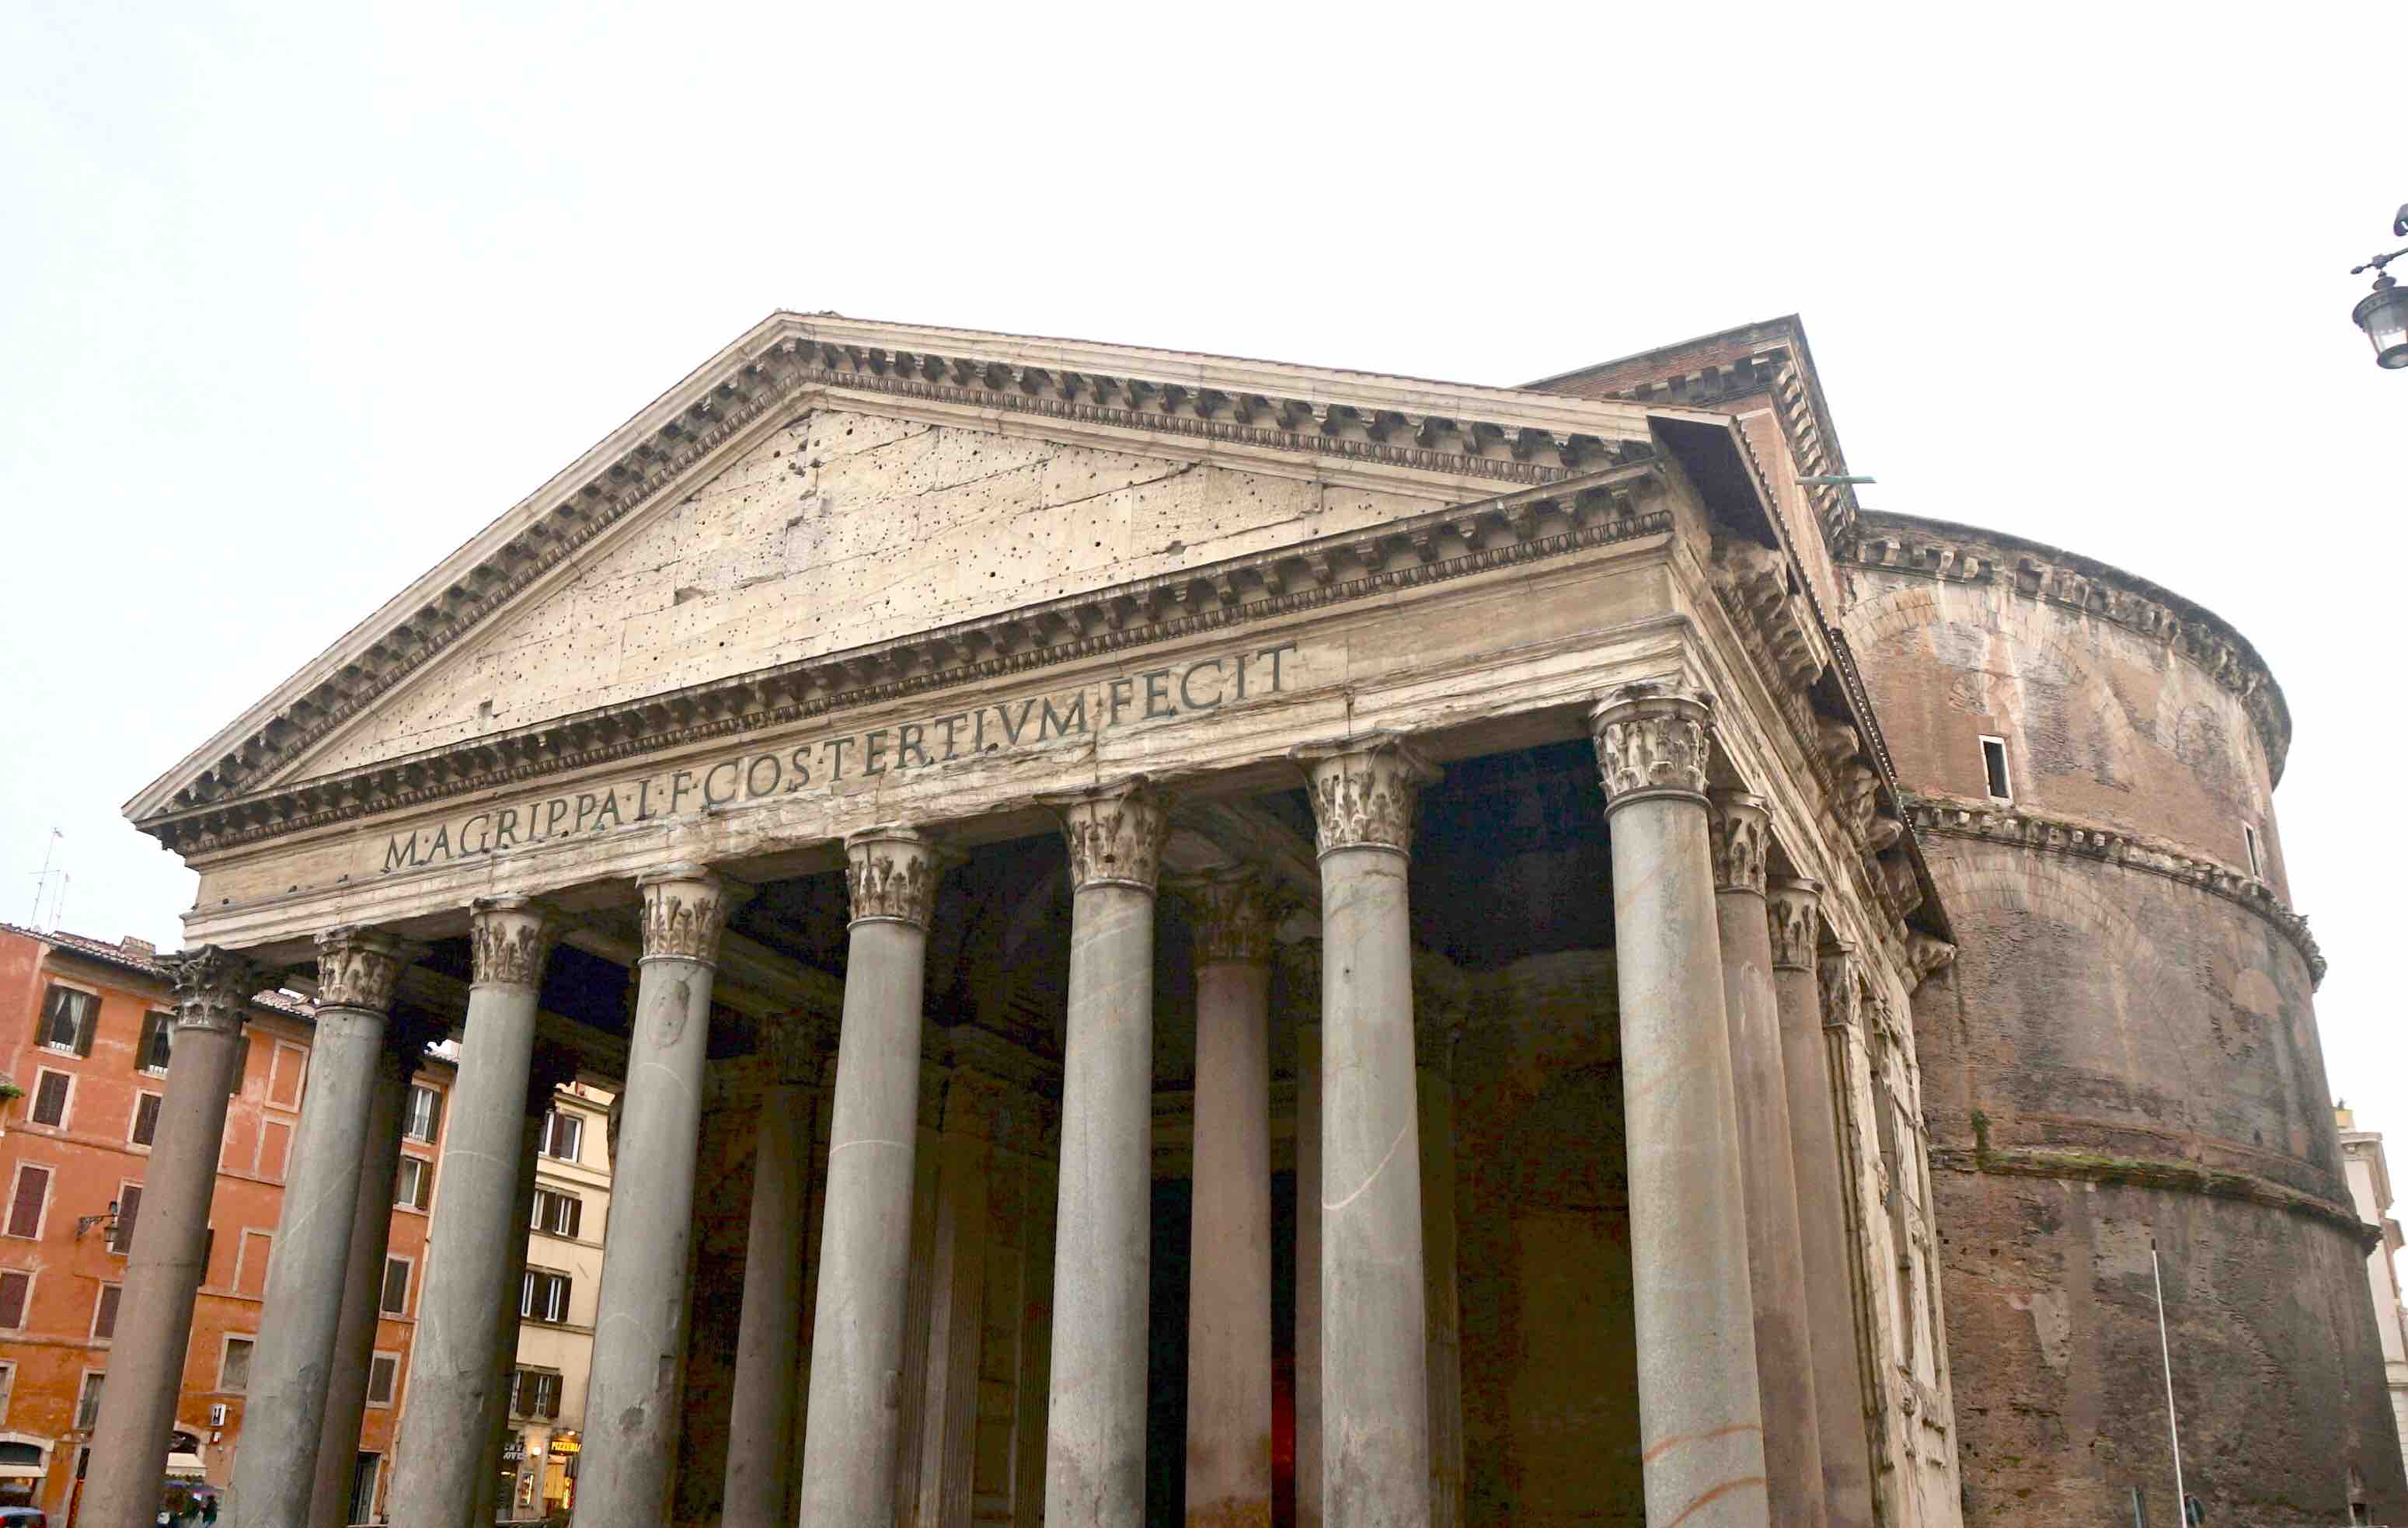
(1189, 939)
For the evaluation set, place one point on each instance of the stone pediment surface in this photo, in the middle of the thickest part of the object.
(826, 485)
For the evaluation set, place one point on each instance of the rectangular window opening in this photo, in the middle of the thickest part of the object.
(129, 1207)
(1994, 768)
(146, 1118)
(15, 1291)
(413, 1186)
(50, 1090)
(394, 1299)
(88, 1404)
(67, 1022)
(425, 1114)
(104, 1314)
(563, 1135)
(158, 1043)
(2257, 857)
(233, 1369)
(27, 1204)
(383, 1369)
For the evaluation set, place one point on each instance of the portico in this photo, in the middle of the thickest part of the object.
(1083, 862)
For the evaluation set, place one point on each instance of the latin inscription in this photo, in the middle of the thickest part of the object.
(1155, 694)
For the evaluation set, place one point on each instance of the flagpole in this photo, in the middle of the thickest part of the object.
(2165, 1351)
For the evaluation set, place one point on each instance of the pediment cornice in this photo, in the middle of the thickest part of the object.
(1524, 526)
(1476, 437)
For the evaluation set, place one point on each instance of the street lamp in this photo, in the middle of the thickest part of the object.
(2383, 313)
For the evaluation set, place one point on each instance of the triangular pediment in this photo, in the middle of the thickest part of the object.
(824, 486)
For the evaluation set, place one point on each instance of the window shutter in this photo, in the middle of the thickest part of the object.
(380, 1374)
(87, 1020)
(104, 1320)
(26, 1211)
(146, 1118)
(129, 1204)
(50, 1099)
(396, 1287)
(14, 1288)
(576, 1216)
(150, 1022)
(552, 1397)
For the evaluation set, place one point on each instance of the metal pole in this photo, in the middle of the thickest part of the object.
(2165, 1350)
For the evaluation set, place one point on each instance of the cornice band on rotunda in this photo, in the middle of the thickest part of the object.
(1651, 740)
(213, 988)
(359, 968)
(510, 940)
(890, 876)
(1366, 792)
(1113, 834)
(685, 910)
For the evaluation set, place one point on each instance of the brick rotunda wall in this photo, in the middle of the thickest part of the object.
(2125, 1047)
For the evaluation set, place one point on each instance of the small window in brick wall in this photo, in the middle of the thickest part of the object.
(2256, 856)
(1994, 768)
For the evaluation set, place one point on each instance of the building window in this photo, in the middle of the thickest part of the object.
(395, 1297)
(30, 1197)
(544, 1296)
(535, 1392)
(50, 1092)
(104, 1314)
(558, 1214)
(1994, 768)
(384, 1369)
(146, 1118)
(16, 1293)
(129, 1204)
(67, 1019)
(563, 1135)
(425, 1114)
(2257, 857)
(158, 1043)
(234, 1365)
(8, 1383)
(88, 1404)
(413, 1186)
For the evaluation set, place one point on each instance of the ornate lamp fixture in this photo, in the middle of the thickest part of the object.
(2383, 313)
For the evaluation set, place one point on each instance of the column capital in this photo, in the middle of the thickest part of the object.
(1113, 833)
(1365, 790)
(685, 913)
(1842, 995)
(1793, 908)
(1651, 740)
(890, 874)
(510, 940)
(1739, 828)
(1233, 916)
(213, 988)
(359, 968)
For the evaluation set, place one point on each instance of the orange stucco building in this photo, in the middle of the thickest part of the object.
(84, 1039)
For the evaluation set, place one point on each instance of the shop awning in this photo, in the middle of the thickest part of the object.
(186, 1467)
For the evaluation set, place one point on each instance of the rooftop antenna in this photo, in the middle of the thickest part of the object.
(42, 882)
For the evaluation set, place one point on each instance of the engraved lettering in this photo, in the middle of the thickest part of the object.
(553, 811)
(873, 752)
(837, 746)
(506, 830)
(801, 761)
(1274, 654)
(710, 797)
(1241, 676)
(907, 743)
(608, 815)
(586, 803)
(1012, 728)
(679, 783)
(439, 845)
(644, 800)
(753, 786)
(1158, 688)
(483, 843)
(398, 853)
(1187, 682)
(1119, 693)
(952, 724)
(1073, 720)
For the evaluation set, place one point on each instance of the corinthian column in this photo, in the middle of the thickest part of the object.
(1741, 835)
(632, 1399)
(1374, 1366)
(1792, 911)
(1305, 973)
(347, 1384)
(276, 1469)
(1229, 1297)
(1094, 1425)
(1701, 1418)
(452, 1368)
(853, 1417)
(761, 1443)
(165, 1265)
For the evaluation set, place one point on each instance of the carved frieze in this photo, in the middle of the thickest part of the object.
(1793, 912)
(1234, 912)
(213, 989)
(685, 911)
(891, 875)
(1651, 738)
(1364, 792)
(358, 968)
(1113, 834)
(510, 940)
(1739, 832)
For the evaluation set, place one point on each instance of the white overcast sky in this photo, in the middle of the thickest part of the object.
(294, 299)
